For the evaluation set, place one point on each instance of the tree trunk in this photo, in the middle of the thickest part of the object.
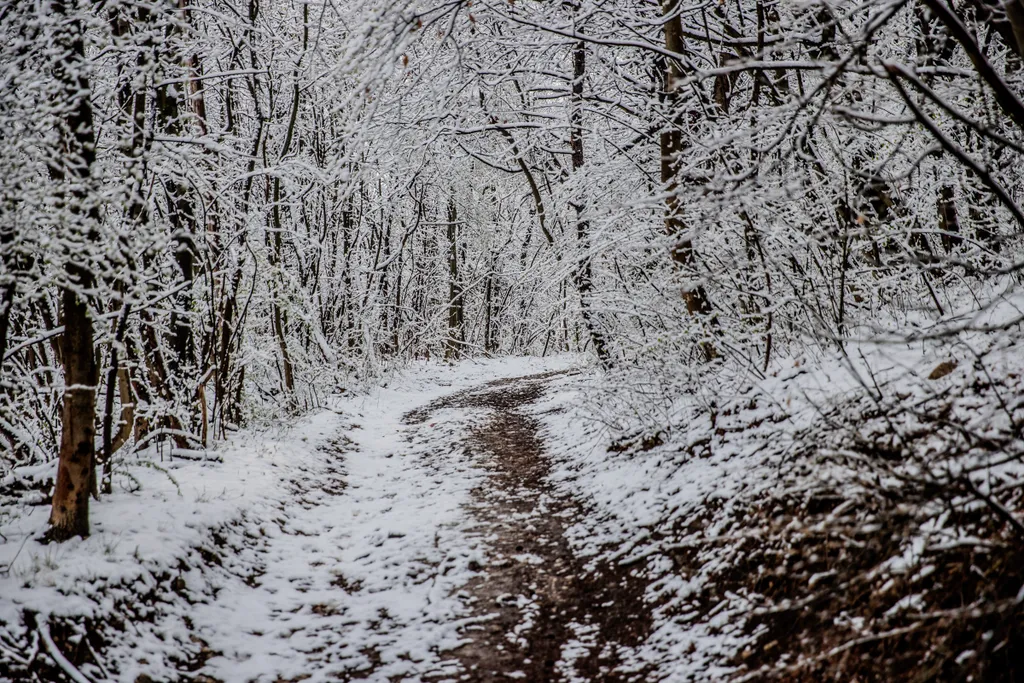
(69, 515)
(276, 313)
(696, 298)
(456, 330)
(397, 318)
(114, 374)
(488, 306)
(278, 316)
(949, 223)
(180, 211)
(584, 268)
(8, 285)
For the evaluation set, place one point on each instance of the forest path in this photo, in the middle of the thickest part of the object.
(541, 613)
(455, 523)
(422, 539)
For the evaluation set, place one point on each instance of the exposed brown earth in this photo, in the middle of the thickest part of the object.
(542, 614)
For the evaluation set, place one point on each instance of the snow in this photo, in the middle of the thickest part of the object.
(339, 545)
(628, 497)
(341, 541)
(282, 202)
(691, 492)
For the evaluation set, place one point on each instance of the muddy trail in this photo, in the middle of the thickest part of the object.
(542, 614)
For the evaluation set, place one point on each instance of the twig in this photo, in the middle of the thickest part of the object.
(1007, 99)
(954, 149)
(10, 565)
(62, 661)
(996, 506)
(766, 671)
(12, 650)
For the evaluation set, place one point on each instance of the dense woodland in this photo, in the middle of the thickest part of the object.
(214, 213)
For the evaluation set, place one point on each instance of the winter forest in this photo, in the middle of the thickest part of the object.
(476, 340)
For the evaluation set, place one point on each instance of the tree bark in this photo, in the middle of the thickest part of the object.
(69, 515)
(584, 267)
(278, 316)
(8, 285)
(115, 375)
(456, 314)
(671, 143)
(180, 209)
(949, 222)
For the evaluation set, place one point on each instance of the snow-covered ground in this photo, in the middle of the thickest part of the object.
(349, 545)
(336, 544)
(717, 509)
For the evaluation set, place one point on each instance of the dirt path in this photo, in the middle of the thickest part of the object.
(379, 545)
(542, 615)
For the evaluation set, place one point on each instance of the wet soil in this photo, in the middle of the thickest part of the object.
(542, 613)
